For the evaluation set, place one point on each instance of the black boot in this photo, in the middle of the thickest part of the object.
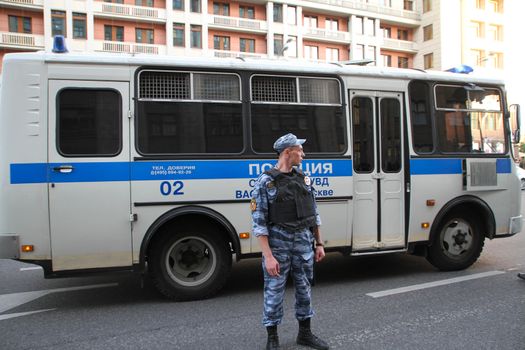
(273, 338)
(306, 337)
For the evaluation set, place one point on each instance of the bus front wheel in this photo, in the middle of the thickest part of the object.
(190, 266)
(457, 243)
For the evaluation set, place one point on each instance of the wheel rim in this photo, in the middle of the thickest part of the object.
(457, 238)
(191, 261)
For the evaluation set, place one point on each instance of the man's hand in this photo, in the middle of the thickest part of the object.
(319, 253)
(272, 266)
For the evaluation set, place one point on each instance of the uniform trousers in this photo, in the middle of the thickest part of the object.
(294, 252)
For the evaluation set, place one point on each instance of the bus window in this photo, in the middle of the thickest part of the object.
(313, 111)
(189, 113)
(469, 119)
(363, 127)
(88, 122)
(422, 128)
(390, 135)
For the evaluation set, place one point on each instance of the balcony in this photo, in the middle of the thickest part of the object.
(21, 41)
(129, 12)
(236, 23)
(129, 48)
(326, 35)
(374, 8)
(399, 45)
(233, 54)
(30, 4)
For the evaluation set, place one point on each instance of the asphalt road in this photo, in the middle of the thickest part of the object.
(393, 301)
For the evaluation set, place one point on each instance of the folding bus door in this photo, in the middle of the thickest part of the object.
(378, 173)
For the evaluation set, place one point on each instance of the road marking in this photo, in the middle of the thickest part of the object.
(414, 287)
(10, 301)
(31, 268)
(18, 314)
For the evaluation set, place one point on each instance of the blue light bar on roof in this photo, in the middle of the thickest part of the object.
(462, 68)
(59, 44)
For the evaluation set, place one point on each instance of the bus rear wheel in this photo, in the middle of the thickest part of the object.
(189, 266)
(457, 244)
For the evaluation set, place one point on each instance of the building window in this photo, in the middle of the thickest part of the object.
(477, 29)
(247, 45)
(408, 5)
(144, 36)
(196, 37)
(178, 5)
(387, 32)
(147, 3)
(331, 54)
(221, 42)
(247, 12)
(178, 34)
(369, 27)
(387, 60)
(195, 6)
(291, 15)
(428, 32)
(494, 32)
(113, 33)
(277, 44)
(496, 6)
(20, 24)
(358, 25)
(402, 62)
(359, 52)
(311, 52)
(402, 34)
(494, 60)
(480, 4)
(427, 6)
(221, 9)
(371, 53)
(310, 22)
(79, 25)
(278, 13)
(291, 46)
(476, 57)
(428, 61)
(58, 23)
(332, 24)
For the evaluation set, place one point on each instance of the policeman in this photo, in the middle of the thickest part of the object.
(286, 222)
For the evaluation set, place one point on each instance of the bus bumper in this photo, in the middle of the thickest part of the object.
(9, 246)
(515, 225)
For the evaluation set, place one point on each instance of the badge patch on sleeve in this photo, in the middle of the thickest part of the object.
(253, 204)
(307, 181)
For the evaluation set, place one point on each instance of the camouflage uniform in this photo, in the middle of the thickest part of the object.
(292, 249)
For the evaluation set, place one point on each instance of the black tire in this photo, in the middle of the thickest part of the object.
(189, 265)
(458, 242)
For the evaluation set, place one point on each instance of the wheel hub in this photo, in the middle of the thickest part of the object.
(457, 238)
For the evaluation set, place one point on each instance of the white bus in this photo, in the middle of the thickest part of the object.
(146, 163)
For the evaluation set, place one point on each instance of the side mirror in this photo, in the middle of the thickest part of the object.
(515, 119)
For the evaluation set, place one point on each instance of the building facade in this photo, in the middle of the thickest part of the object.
(383, 31)
(421, 34)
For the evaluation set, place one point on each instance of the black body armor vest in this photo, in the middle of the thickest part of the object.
(294, 207)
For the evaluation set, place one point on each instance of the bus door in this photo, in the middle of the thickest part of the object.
(378, 172)
(88, 174)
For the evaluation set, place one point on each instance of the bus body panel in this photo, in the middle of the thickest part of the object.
(23, 127)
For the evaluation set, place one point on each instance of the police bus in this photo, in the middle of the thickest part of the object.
(146, 163)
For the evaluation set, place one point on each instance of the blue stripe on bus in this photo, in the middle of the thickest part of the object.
(209, 169)
(165, 170)
(435, 166)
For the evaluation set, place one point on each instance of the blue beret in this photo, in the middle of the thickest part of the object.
(288, 140)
